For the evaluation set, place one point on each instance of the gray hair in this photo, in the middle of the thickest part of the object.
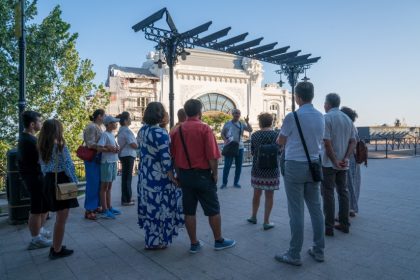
(333, 99)
(235, 111)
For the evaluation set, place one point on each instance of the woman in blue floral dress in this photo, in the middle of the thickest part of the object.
(159, 199)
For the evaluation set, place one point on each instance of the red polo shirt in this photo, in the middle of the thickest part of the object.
(200, 142)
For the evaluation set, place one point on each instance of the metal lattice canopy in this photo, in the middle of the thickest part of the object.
(173, 43)
(219, 41)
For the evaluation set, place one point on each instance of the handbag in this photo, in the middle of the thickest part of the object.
(85, 153)
(64, 191)
(314, 167)
(232, 148)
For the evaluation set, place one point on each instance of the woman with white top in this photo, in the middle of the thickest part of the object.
(127, 155)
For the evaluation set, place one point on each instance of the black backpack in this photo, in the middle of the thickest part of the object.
(267, 157)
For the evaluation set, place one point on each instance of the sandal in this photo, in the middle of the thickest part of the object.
(89, 215)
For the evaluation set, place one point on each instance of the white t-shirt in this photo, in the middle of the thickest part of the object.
(108, 139)
(125, 138)
(312, 124)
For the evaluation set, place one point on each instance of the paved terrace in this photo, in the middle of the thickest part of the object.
(383, 242)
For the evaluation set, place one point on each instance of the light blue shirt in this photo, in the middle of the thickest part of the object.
(339, 129)
(313, 126)
(233, 131)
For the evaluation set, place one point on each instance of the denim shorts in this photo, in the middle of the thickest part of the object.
(108, 171)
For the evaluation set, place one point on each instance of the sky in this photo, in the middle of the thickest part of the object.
(370, 49)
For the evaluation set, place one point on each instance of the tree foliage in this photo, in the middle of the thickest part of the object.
(58, 82)
(216, 121)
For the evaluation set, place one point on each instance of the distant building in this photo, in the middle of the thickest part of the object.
(220, 81)
(131, 90)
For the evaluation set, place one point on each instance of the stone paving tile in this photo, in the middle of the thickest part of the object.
(383, 242)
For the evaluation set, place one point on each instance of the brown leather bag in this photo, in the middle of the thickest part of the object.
(361, 152)
(64, 191)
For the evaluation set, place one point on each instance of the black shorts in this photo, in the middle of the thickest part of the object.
(34, 185)
(198, 185)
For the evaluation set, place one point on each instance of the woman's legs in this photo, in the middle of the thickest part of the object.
(268, 205)
(59, 227)
(93, 185)
(256, 203)
(126, 178)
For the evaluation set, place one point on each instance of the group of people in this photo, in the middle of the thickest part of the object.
(179, 169)
(44, 163)
(102, 170)
(312, 140)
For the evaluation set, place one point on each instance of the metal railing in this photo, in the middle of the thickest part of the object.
(378, 147)
(391, 147)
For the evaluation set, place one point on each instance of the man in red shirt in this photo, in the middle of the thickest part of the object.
(196, 153)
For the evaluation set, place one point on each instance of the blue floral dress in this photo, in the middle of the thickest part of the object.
(160, 202)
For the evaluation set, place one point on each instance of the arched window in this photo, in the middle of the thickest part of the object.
(216, 102)
(274, 107)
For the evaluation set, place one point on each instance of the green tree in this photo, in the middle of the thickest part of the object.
(59, 83)
(216, 120)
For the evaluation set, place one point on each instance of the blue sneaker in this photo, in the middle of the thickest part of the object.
(225, 244)
(223, 186)
(107, 215)
(237, 186)
(115, 211)
(195, 248)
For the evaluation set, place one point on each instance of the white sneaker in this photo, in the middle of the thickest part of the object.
(39, 242)
(45, 233)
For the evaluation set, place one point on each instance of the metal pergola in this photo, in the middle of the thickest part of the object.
(173, 43)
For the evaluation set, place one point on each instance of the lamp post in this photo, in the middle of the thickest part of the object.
(292, 68)
(21, 35)
(171, 49)
(292, 72)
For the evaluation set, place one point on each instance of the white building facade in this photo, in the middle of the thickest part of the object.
(220, 81)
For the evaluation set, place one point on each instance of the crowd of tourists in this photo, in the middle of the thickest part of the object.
(178, 169)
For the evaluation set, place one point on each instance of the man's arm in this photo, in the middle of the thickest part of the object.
(223, 132)
(350, 149)
(248, 126)
(214, 167)
(330, 152)
(281, 140)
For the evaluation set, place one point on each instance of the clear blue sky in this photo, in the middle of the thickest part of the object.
(370, 49)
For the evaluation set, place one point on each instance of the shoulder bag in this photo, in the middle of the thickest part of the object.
(64, 191)
(231, 149)
(315, 167)
(85, 153)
